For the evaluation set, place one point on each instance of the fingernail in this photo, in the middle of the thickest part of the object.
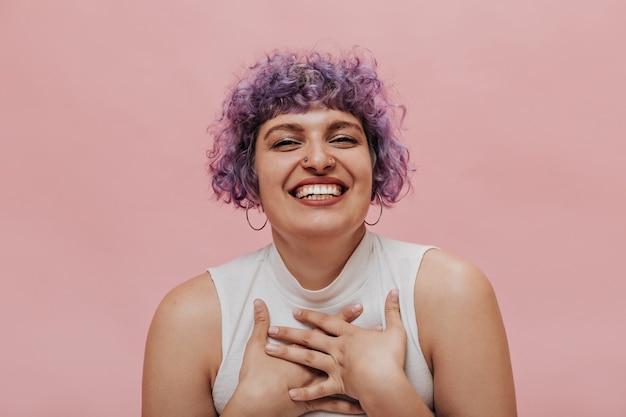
(273, 330)
(357, 308)
(294, 393)
(394, 295)
(297, 312)
(258, 306)
(270, 347)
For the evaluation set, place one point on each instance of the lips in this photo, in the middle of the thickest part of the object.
(318, 191)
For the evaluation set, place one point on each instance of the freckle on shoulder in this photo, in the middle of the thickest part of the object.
(195, 297)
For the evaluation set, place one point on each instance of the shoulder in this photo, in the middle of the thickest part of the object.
(450, 294)
(463, 338)
(189, 315)
(183, 350)
(184, 341)
(188, 308)
(444, 277)
(190, 299)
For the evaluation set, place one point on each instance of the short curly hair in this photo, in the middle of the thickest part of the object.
(290, 82)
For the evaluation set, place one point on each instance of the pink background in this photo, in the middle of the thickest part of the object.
(517, 125)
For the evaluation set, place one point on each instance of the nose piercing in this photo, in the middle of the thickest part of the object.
(331, 160)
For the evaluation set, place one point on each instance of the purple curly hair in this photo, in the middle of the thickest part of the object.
(289, 82)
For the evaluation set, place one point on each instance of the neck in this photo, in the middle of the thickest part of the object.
(316, 261)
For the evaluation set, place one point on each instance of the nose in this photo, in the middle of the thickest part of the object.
(318, 161)
(318, 156)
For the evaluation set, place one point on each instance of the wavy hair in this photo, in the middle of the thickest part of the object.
(290, 82)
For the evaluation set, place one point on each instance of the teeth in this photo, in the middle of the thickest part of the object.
(318, 191)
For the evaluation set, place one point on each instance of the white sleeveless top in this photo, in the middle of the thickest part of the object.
(376, 266)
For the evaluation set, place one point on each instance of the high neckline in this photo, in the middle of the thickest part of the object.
(350, 279)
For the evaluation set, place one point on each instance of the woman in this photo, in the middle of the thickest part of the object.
(325, 319)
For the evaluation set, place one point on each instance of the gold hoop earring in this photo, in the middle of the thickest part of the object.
(248, 205)
(380, 213)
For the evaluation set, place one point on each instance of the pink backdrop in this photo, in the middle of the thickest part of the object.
(517, 124)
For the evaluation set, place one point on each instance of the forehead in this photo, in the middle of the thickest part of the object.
(314, 118)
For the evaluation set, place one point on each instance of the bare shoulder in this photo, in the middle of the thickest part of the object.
(463, 338)
(444, 277)
(183, 351)
(449, 289)
(192, 302)
(189, 315)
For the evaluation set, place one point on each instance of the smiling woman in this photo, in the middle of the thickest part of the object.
(315, 176)
(329, 319)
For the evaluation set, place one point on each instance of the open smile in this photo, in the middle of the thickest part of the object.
(318, 191)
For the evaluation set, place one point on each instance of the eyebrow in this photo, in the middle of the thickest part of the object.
(343, 124)
(289, 127)
(332, 127)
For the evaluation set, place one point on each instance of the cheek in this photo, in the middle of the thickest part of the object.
(366, 169)
(263, 181)
(271, 174)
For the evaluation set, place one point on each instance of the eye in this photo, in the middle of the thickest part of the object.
(344, 141)
(286, 144)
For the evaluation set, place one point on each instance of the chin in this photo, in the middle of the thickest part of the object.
(336, 228)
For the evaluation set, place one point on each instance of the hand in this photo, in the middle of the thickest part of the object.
(358, 362)
(264, 381)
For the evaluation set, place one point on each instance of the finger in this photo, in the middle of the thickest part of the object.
(307, 357)
(261, 321)
(335, 405)
(392, 309)
(317, 391)
(313, 339)
(330, 324)
(350, 313)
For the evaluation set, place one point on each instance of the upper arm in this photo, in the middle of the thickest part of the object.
(464, 339)
(183, 352)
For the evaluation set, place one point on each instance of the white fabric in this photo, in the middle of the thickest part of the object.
(376, 266)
